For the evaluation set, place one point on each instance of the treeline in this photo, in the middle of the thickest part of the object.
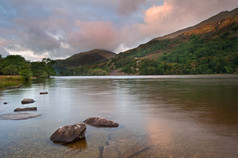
(86, 71)
(17, 65)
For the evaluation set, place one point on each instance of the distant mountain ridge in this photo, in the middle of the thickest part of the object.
(85, 58)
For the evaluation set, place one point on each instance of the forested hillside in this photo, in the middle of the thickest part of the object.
(211, 47)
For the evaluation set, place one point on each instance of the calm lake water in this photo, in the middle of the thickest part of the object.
(159, 116)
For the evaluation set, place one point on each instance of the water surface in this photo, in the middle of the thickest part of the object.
(159, 116)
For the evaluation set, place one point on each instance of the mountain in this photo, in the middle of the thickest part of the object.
(210, 47)
(83, 59)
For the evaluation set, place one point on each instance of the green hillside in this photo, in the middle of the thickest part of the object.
(210, 47)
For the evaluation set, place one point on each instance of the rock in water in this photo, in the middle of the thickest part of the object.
(26, 109)
(27, 101)
(100, 122)
(43, 92)
(68, 134)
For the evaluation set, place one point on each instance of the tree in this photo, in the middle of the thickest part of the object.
(43, 69)
(11, 64)
(1, 64)
(25, 71)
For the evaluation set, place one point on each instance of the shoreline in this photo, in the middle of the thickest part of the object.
(8, 81)
(149, 76)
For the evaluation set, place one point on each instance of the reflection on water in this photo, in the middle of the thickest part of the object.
(159, 116)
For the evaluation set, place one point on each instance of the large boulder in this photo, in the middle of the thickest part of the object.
(27, 101)
(18, 116)
(68, 134)
(26, 109)
(100, 122)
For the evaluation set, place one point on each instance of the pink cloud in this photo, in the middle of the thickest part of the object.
(156, 13)
(94, 34)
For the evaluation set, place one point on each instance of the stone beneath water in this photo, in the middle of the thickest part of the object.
(124, 148)
(18, 116)
(69, 134)
(27, 101)
(26, 109)
(43, 92)
(100, 122)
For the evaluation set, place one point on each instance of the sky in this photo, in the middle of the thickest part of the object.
(57, 29)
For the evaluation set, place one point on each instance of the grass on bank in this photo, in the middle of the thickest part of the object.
(8, 81)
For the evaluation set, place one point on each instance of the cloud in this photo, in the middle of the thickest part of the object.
(29, 54)
(4, 42)
(127, 7)
(40, 35)
(94, 34)
(3, 52)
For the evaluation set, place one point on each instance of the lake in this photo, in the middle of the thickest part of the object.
(159, 116)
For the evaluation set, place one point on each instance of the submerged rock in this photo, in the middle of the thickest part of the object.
(68, 134)
(26, 109)
(43, 93)
(27, 101)
(100, 122)
(124, 148)
(18, 116)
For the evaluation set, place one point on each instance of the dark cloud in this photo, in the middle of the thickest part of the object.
(37, 38)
